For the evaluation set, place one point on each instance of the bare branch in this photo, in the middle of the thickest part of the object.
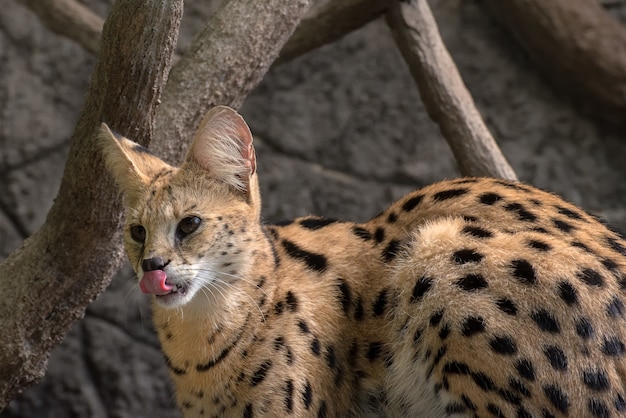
(70, 19)
(225, 62)
(50, 279)
(330, 22)
(577, 44)
(443, 92)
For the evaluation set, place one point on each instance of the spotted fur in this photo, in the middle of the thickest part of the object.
(470, 297)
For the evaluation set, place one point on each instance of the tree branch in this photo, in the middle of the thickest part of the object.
(70, 19)
(228, 58)
(330, 22)
(580, 47)
(443, 92)
(47, 283)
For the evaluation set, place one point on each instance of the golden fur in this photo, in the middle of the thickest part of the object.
(470, 297)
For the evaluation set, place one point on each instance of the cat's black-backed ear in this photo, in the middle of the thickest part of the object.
(131, 165)
(223, 147)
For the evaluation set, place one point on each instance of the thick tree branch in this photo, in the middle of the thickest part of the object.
(443, 92)
(225, 62)
(47, 283)
(70, 19)
(577, 44)
(328, 23)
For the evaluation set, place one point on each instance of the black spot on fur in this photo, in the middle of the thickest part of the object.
(477, 231)
(176, 370)
(580, 245)
(307, 395)
(524, 271)
(292, 301)
(374, 350)
(422, 286)
(616, 245)
(522, 213)
(539, 245)
(316, 347)
(504, 345)
(444, 332)
(455, 408)
(472, 325)
(316, 262)
(584, 329)
(279, 307)
(556, 357)
(556, 396)
(612, 346)
(468, 402)
(436, 318)
(391, 250)
(440, 353)
(546, 321)
(525, 369)
(483, 381)
(247, 412)
(596, 379)
(359, 312)
(495, 411)
(321, 412)
(598, 408)
(410, 204)
(449, 194)
(519, 386)
(569, 213)
(467, 255)
(568, 293)
(304, 327)
(591, 277)
(362, 233)
(381, 302)
(509, 396)
(489, 198)
(456, 367)
(379, 235)
(260, 373)
(472, 282)
(392, 217)
(507, 306)
(345, 295)
(616, 307)
(523, 413)
(563, 226)
(289, 395)
(620, 403)
(330, 357)
(316, 223)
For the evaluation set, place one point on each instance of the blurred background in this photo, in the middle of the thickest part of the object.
(340, 132)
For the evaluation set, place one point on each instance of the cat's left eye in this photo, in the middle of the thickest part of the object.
(187, 226)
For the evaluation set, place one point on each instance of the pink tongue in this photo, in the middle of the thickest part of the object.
(153, 282)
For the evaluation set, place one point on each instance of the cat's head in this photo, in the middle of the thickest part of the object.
(189, 231)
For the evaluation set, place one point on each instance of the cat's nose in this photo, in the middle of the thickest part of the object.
(150, 264)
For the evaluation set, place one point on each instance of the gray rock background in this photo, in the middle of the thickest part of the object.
(340, 132)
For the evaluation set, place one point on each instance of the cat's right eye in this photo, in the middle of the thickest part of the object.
(138, 233)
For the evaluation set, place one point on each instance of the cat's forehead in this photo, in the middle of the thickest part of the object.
(176, 194)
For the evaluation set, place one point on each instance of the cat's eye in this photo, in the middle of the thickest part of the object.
(187, 226)
(138, 233)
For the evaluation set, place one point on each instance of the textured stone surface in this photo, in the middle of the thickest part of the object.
(340, 132)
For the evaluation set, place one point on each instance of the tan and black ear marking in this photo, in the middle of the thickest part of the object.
(131, 165)
(223, 147)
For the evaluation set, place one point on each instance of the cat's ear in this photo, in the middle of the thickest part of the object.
(223, 147)
(131, 165)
